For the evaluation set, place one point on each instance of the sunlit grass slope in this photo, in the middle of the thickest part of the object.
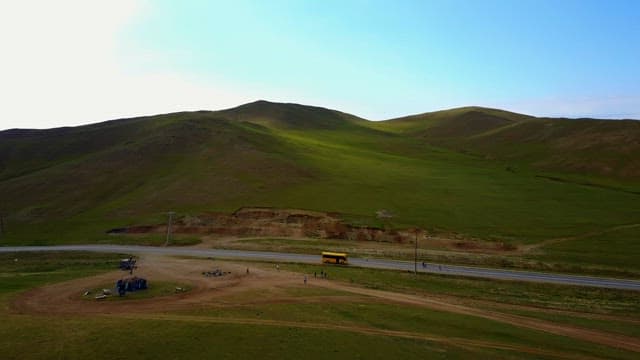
(480, 172)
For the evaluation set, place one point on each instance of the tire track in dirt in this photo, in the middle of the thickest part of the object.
(599, 337)
(553, 241)
(452, 341)
(64, 298)
(506, 307)
(493, 305)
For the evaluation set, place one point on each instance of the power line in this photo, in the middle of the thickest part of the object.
(170, 213)
(416, 232)
(1, 225)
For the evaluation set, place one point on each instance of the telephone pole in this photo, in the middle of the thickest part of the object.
(416, 232)
(170, 213)
(415, 257)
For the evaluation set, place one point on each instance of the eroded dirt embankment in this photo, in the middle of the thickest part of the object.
(271, 222)
(296, 223)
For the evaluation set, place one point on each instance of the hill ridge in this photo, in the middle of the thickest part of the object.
(260, 104)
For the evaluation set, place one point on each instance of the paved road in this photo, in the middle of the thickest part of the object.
(501, 274)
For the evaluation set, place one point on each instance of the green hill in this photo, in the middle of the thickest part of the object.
(575, 146)
(478, 172)
(454, 122)
(290, 116)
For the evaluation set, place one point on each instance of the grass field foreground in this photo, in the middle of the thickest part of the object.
(281, 330)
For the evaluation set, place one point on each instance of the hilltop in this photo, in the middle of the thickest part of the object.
(289, 115)
(480, 173)
(580, 146)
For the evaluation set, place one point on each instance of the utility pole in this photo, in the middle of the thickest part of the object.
(416, 231)
(415, 257)
(170, 213)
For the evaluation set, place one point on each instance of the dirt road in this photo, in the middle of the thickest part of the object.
(211, 292)
(469, 271)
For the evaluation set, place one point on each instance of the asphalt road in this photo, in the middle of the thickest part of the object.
(501, 274)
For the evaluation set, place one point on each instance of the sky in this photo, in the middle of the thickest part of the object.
(66, 63)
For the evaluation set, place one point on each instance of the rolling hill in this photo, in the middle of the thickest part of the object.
(580, 146)
(482, 173)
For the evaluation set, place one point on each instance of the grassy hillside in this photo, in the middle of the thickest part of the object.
(479, 172)
(602, 148)
(453, 122)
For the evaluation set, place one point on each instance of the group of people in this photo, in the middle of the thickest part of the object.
(323, 274)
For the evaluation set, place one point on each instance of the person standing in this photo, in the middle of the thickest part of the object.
(305, 279)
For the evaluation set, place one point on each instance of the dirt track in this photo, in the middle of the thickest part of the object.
(614, 340)
(460, 342)
(65, 298)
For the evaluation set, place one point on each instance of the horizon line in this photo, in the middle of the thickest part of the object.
(558, 117)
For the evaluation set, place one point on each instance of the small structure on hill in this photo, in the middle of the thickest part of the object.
(131, 284)
(128, 264)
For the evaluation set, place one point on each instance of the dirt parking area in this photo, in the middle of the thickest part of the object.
(231, 290)
(205, 291)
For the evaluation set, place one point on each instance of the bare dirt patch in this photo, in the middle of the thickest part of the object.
(267, 222)
(257, 287)
(66, 297)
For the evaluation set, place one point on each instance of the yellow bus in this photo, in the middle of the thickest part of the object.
(334, 258)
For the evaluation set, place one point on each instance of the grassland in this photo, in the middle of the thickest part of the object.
(543, 296)
(586, 249)
(273, 329)
(432, 250)
(479, 173)
(22, 271)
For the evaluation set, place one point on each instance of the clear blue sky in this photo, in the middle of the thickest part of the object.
(85, 61)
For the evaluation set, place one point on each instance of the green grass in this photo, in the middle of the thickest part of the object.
(299, 157)
(407, 318)
(23, 270)
(111, 336)
(614, 249)
(560, 297)
(153, 240)
(104, 338)
(445, 190)
(613, 326)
